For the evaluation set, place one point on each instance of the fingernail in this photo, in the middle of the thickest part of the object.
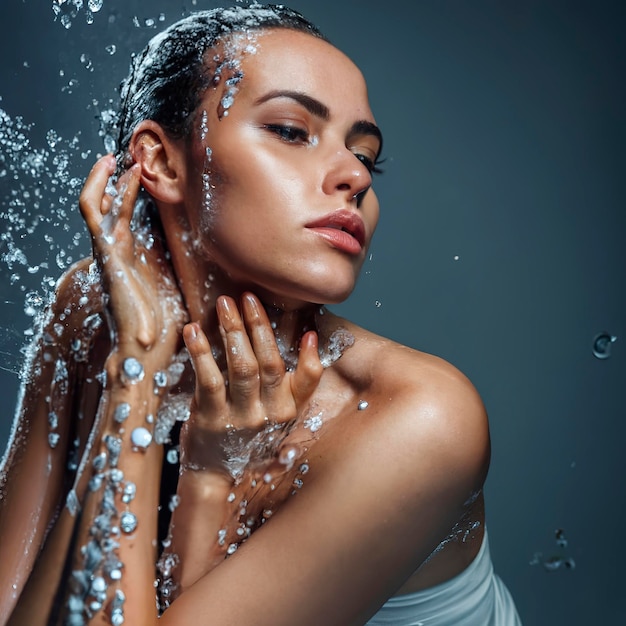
(226, 307)
(251, 303)
(192, 331)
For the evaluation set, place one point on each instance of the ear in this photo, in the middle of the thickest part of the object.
(161, 160)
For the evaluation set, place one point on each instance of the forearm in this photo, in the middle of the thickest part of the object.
(116, 550)
(202, 500)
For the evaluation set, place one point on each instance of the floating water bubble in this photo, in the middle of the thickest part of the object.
(94, 5)
(111, 49)
(602, 344)
(378, 304)
(85, 59)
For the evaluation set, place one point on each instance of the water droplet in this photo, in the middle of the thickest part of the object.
(132, 370)
(121, 413)
(71, 502)
(130, 490)
(128, 522)
(363, 404)
(456, 257)
(94, 5)
(314, 423)
(141, 437)
(160, 381)
(378, 304)
(561, 541)
(172, 456)
(602, 344)
(98, 585)
(111, 49)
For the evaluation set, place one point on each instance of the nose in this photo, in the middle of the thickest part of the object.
(347, 176)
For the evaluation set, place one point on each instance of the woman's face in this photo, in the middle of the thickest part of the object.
(291, 213)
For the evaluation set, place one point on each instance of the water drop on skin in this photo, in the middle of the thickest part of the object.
(141, 438)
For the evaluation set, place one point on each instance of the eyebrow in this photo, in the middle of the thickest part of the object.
(313, 106)
(317, 108)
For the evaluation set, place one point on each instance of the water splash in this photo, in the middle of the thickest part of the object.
(65, 11)
(557, 560)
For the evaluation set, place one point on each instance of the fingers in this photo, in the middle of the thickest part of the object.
(210, 393)
(90, 201)
(259, 389)
(102, 212)
(309, 371)
(242, 364)
(270, 362)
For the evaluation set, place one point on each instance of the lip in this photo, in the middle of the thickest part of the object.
(344, 229)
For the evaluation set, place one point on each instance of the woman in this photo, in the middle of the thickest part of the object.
(323, 469)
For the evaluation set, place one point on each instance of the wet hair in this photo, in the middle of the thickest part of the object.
(167, 80)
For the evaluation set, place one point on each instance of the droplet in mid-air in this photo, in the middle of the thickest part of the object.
(602, 343)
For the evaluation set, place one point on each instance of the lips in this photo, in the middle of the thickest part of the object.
(343, 229)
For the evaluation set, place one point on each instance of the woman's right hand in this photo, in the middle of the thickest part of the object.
(143, 298)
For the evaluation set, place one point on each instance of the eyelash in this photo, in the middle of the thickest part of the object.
(293, 134)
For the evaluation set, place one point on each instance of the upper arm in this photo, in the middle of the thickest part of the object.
(55, 409)
(385, 487)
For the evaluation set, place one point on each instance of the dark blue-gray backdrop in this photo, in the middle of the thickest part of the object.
(501, 246)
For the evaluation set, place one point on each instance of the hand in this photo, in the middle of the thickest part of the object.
(144, 300)
(260, 395)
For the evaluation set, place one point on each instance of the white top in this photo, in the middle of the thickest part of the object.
(475, 597)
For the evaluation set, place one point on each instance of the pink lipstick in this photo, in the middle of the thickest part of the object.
(343, 229)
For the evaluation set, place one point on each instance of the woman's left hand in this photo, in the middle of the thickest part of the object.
(258, 391)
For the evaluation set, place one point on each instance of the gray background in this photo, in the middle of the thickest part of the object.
(504, 129)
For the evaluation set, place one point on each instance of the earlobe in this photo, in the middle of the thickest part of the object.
(160, 161)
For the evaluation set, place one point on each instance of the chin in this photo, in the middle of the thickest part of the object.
(301, 296)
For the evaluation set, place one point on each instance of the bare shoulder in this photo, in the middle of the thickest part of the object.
(424, 434)
(76, 310)
(428, 398)
(78, 293)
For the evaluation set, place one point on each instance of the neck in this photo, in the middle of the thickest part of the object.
(201, 282)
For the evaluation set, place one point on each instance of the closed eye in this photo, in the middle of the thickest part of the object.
(371, 165)
(290, 134)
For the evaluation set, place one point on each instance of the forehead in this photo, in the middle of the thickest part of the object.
(288, 59)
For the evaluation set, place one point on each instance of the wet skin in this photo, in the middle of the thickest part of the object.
(385, 485)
